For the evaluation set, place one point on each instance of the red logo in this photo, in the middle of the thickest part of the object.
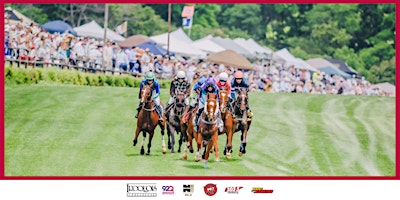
(210, 189)
(261, 190)
(233, 190)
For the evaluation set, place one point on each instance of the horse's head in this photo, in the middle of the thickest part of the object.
(145, 94)
(211, 107)
(179, 103)
(223, 101)
(242, 98)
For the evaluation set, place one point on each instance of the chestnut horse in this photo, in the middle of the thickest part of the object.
(189, 133)
(208, 128)
(174, 117)
(148, 120)
(241, 122)
(227, 119)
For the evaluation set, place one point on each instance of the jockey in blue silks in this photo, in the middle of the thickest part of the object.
(150, 79)
(239, 81)
(209, 87)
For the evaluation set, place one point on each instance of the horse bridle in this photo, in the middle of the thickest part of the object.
(243, 98)
(148, 99)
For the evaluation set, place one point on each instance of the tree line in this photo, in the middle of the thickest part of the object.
(361, 34)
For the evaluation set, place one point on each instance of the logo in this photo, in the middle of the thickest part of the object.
(141, 190)
(168, 189)
(260, 190)
(210, 189)
(188, 190)
(233, 190)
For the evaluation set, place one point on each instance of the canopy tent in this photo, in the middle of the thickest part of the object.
(208, 46)
(134, 41)
(342, 65)
(181, 35)
(58, 26)
(12, 16)
(231, 45)
(334, 71)
(319, 63)
(386, 87)
(178, 46)
(155, 49)
(93, 29)
(253, 47)
(285, 57)
(230, 58)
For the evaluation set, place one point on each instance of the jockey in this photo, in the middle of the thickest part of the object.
(223, 83)
(179, 84)
(239, 82)
(150, 80)
(208, 87)
(194, 97)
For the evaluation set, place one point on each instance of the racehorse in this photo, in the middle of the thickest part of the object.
(241, 122)
(148, 120)
(187, 129)
(174, 117)
(227, 119)
(208, 129)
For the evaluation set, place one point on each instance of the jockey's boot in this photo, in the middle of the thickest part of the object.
(167, 107)
(196, 121)
(138, 110)
(161, 115)
(249, 113)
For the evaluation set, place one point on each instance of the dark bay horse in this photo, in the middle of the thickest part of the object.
(174, 117)
(227, 119)
(208, 129)
(148, 120)
(241, 122)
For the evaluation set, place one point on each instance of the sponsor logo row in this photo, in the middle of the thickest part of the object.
(152, 190)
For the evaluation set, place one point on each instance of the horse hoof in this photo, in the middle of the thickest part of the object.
(184, 157)
(228, 156)
(148, 153)
(216, 160)
(164, 151)
(224, 152)
(240, 153)
(191, 151)
(206, 164)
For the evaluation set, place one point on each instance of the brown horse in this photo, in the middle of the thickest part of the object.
(174, 117)
(148, 120)
(241, 122)
(189, 133)
(227, 119)
(208, 128)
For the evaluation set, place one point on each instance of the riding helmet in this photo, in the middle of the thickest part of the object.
(181, 74)
(149, 76)
(223, 76)
(238, 74)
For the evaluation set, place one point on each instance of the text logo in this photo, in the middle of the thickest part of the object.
(233, 190)
(260, 190)
(141, 189)
(167, 189)
(188, 190)
(210, 189)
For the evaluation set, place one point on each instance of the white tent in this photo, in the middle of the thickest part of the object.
(92, 29)
(178, 46)
(285, 57)
(208, 45)
(228, 43)
(181, 35)
(254, 48)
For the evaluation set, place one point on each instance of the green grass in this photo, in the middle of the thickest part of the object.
(63, 130)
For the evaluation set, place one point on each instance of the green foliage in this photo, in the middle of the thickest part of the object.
(384, 72)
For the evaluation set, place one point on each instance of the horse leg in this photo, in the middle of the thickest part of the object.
(229, 135)
(162, 126)
(142, 146)
(243, 142)
(136, 136)
(169, 136)
(208, 147)
(172, 135)
(198, 141)
(215, 143)
(181, 139)
(151, 134)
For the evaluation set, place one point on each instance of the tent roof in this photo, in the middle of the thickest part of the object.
(154, 48)
(319, 63)
(342, 65)
(284, 56)
(58, 26)
(93, 29)
(208, 45)
(134, 41)
(335, 71)
(21, 18)
(230, 58)
(387, 87)
(178, 46)
(227, 43)
(252, 46)
(181, 35)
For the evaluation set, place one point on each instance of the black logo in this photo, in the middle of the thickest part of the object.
(188, 190)
(141, 189)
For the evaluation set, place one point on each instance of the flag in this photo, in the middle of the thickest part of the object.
(188, 11)
(187, 22)
(122, 28)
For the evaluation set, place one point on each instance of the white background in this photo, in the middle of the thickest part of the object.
(283, 189)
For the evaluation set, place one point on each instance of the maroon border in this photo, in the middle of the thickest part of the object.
(397, 140)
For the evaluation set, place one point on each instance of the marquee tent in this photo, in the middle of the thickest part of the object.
(230, 58)
(285, 57)
(92, 29)
(208, 46)
(334, 71)
(58, 26)
(227, 43)
(134, 41)
(12, 16)
(386, 87)
(342, 65)
(178, 46)
(155, 49)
